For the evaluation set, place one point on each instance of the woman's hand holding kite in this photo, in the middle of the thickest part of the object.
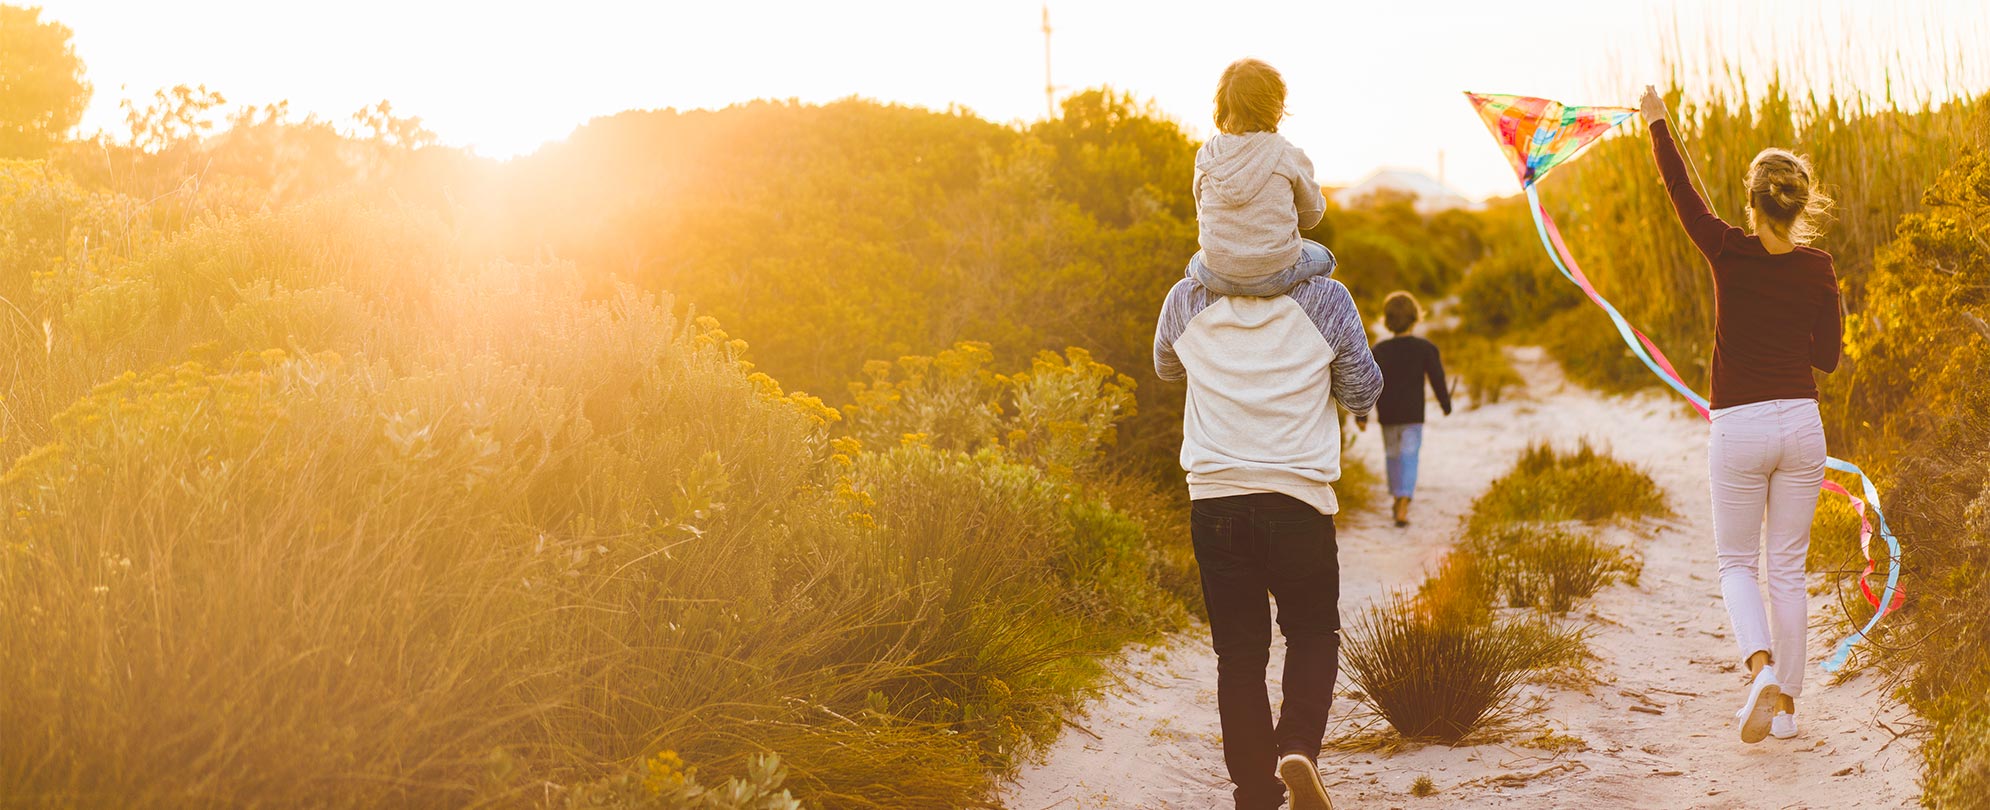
(1652, 105)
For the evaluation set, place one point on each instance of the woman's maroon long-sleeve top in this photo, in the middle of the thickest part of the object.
(1775, 315)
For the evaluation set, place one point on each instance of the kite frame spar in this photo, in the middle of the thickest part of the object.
(1514, 119)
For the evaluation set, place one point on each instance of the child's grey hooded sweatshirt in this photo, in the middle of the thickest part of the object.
(1253, 193)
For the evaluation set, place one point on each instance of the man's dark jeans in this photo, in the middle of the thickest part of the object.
(1248, 546)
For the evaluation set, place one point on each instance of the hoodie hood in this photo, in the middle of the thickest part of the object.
(1237, 167)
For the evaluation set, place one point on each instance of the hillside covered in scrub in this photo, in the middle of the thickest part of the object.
(782, 453)
(341, 464)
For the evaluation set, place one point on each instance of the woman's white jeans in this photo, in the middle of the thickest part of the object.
(1766, 460)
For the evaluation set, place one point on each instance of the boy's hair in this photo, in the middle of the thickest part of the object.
(1783, 196)
(1400, 311)
(1249, 98)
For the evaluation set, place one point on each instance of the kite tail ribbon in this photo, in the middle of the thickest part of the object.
(1647, 352)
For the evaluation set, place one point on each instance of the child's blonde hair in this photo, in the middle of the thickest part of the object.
(1249, 98)
(1783, 196)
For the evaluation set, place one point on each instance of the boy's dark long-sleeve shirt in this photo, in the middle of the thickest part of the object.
(1406, 361)
(1776, 316)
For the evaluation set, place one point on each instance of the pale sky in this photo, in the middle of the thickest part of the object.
(1373, 84)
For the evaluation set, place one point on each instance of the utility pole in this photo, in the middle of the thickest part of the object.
(1049, 89)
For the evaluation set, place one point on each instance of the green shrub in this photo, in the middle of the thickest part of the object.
(1834, 539)
(1916, 364)
(1513, 288)
(1062, 413)
(1548, 485)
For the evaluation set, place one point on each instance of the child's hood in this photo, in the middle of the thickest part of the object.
(1236, 167)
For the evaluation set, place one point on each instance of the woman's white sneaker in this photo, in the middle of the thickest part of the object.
(1756, 715)
(1784, 726)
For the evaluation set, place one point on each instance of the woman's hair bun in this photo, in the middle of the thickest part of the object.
(1783, 197)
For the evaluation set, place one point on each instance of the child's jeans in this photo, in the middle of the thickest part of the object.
(1400, 444)
(1314, 260)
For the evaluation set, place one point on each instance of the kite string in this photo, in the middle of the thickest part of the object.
(1706, 192)
(1655, 360)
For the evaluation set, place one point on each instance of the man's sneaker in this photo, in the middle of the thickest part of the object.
(1756, 714)
(1302, 782)
(1784, 726)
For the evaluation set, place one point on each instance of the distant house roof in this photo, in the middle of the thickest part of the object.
(1431, 194)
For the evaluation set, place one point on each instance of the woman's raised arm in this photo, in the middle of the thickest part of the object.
(1706, 230)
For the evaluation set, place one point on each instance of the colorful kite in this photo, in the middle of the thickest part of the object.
(1538, 135)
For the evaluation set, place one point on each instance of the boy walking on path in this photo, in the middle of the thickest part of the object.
(1406, 361)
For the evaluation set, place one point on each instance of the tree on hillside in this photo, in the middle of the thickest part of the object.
(178, 116)
(381, 126)
(1118, 158)
(42, 91)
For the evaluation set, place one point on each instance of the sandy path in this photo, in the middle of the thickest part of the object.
(1152, 741)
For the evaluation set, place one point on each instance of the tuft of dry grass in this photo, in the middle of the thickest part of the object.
(1554, 742)
(1437, 677)
(1546, 567)
(1359, 488)
(1423, 788)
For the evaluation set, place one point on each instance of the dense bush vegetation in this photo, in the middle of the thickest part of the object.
(836, 233)
(336, 467)
(1476, 367)
(1919, 365)
(361, 518)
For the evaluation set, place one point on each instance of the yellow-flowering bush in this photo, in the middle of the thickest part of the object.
(1067, 409)
(952, 399)
(1060, 415)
